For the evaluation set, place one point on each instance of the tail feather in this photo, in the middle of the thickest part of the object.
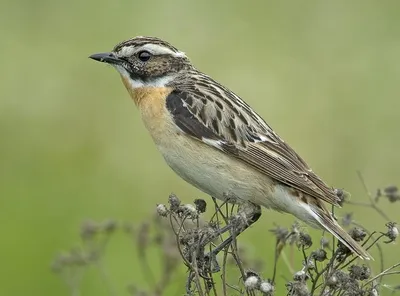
(329, 223)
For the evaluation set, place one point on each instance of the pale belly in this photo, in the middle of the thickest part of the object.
(215, 173)
(222, 176)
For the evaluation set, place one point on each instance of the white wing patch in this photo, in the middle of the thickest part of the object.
(215, 143)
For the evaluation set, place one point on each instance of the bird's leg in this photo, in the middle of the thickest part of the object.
(248, 213)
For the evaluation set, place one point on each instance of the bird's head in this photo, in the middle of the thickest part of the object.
(145, 61)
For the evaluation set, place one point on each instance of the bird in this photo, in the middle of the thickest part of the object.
(214, 140)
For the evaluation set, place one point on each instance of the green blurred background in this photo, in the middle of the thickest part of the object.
(324, 74)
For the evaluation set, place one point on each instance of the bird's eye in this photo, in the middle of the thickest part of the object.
(144, 55)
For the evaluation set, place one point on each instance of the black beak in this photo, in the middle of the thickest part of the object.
(106, 57)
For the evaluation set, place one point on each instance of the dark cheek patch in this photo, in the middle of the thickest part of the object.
(156, 67)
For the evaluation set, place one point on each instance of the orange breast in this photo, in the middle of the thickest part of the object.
(151, 101)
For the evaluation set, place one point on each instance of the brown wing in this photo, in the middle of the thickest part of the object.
(207, 111)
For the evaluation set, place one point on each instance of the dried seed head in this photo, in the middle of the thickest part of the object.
(373, 292)
(353, 288)
(393, 197)
(358, 234)
(305, 240)
(309, 264)
(324, 242)
(392, 233)
(281, 233)
(300, 276)
(174, 202)
(267, 288)
(392, 193)
(341, 277)
(342, 251)
(297, 288)
(109, 226)
(319, 255)
(162, 210)
(347, 219)
(296, 227)
(342, 195)
(359, 272)
(250, 272)
(189, 211)
(332, 281)
(89, 229)
(201, 205)
(391, 189)
(294, 235)
(189, 237)
(326, 292)
(252, 282)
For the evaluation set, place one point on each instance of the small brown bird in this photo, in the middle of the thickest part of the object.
(215, 141)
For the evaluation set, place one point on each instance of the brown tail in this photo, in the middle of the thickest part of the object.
(330, 224)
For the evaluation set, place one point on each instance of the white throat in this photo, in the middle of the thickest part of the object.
(137, 83)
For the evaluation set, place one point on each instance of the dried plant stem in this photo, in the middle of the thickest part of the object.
(186, 236)
(275, 261)
(196, 275)
(322, 272)
(392, 272)
(372, 203)
(223, 276)
(383, 273)
(105, 278)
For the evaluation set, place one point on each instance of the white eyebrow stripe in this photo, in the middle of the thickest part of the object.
(126, 51)
(152, 48)
(159, 49)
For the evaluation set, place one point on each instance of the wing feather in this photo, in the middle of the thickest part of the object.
(209, 112)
